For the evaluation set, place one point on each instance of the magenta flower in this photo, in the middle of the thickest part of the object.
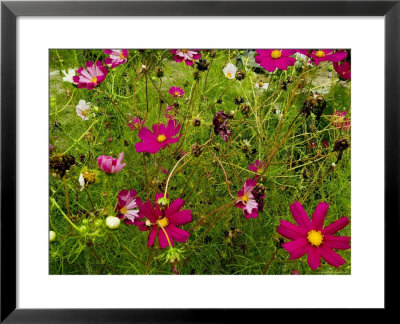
(189, 56)
(343, 70)
(339, 120)
(257, 167)
(161, 137)
(318, 56)
(246, 200)
(135, 123)
(272, 59)
(92, 77)
(310, 237)
(164, 222)
(117, 57)
(109, 164)
(128, 206)
(170, 112)
(221, 125)
(176, 92)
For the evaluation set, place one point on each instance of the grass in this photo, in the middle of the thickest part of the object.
(227, 242)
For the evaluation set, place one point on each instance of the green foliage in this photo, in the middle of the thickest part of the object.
(221, 242)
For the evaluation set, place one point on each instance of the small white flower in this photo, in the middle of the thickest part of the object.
(52, 236)
(112, 222)
(279, 113)
(68, 77)
(82, 109)
(333, 165)
(262, 85)
(230, 71)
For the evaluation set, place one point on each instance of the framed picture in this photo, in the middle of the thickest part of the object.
(134, 171)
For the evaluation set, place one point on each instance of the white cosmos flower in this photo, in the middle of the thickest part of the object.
(230, 71)
(68, 76)
(82, 109)
(262, 85)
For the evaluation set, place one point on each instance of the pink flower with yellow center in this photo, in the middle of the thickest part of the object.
(128, 206)
(323, 55)
(161, 137)
(339, 120)
(92, 77)
(311, 238)
(246, 200)
(343, 70)
(109, 164)
(117, 57)
(258, 167)
(186, 55)
(176, 92)
(163, 222)
(272, 59)
(135, 123)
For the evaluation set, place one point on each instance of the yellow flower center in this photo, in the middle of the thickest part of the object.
(245, 198)
(259, 170)
(89, 176)
(315, 237)
(275, 54)
(121, 55)
(163, 222)
(94, 80)
(320, 53)
(229, 75)
(123, 210)
(176, 93)
(184, 51)
(84, 112)
(161, 138)
(260, 83)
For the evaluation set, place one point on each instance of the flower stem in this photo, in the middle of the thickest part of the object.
(171, 173)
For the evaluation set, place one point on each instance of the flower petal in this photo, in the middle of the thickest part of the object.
(296, 248)
(319, 215)
(290, 230)
(314, 259)
(337, 242)
(336, 226)
(331, 257)
(300, 215)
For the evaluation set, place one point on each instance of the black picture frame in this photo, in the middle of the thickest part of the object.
(10, 10)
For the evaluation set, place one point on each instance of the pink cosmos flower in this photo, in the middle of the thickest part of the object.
(343, 70)
(258, 167)
(161, 137)
(164, 222)
(176, 92)
(189, 56)
(92, 77)
(117, 57)
(246, 200)
(109, 164)
(325, 144)
(128, 206)
(83, 109)
(170, 112)
(310, 237)
(340, 121)
(323, 55)
(275, 58)
(135, 123)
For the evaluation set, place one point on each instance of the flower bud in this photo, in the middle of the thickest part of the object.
(163, 203)
(240, 75)
(196, 122)
(52, 236)
(112, 222)
(159, 72)
(196, 149)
